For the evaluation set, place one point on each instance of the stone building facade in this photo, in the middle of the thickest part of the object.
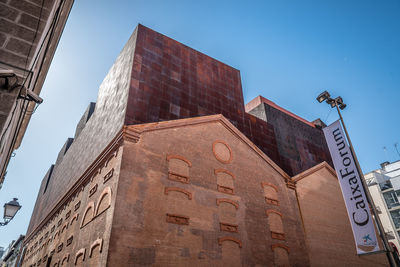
(169, 168)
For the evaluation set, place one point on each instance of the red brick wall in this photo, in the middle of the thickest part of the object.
(143, 232)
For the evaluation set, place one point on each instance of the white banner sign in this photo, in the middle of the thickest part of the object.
(352, 190)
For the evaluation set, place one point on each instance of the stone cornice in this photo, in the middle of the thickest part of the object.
(131, 134)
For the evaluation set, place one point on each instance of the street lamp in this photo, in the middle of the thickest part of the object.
(338, 103)
(10, 209)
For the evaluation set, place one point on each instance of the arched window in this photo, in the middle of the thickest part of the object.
(97, 243)
(281, 255)
(275, 224)
(270, 193)
(88, 215)
(230, 250)
(104, 201)
(65, 260)
(178, 168)
(225, 181)
(80, 256)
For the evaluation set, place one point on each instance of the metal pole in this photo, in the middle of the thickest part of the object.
(388, 248)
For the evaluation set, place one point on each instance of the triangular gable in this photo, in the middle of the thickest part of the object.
(307, 173)
(140, 128)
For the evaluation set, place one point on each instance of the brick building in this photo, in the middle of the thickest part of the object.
(29, 34)
(169, 168)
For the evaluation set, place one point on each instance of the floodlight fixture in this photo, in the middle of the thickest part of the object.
(323, 96)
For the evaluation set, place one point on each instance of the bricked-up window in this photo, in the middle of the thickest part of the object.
(225, 181)
(104, 201)
(275, 224)
(88, 215)
(270, 193)
(178, 168)
(281, 256)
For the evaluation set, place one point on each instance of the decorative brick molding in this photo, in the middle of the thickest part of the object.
(60, 247)
(280, 246)
(65, 259)
(227, 227)
(177, 189)
(177, 219)
(229, 238)
(105, 196)
(113, 155)
(218, 157)
(226, 190)
(216, 171)
(80, 252)
(98, 242)
(75, 218)
(92, 190)
(271, 197)
(178, 178)
(108, 176)
(69, 240)
(275, 224)
(263, 184)
(89, 207)
(77, 205)
(130, 134)
(273, 211)
(173, 156)
(271, 201)
(290, 184)
(65, 226)
(227, 200)
(279, 236)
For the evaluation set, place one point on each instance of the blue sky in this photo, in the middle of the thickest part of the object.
(286, 51)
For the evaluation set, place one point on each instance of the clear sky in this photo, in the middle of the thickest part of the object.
(286, 51)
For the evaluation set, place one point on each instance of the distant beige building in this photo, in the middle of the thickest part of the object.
(384, 185)
(12, 256)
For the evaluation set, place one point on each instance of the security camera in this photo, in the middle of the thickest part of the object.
(32, 96)
(6, 73)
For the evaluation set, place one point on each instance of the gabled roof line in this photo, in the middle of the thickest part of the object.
(147, 127)
(314, 169)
